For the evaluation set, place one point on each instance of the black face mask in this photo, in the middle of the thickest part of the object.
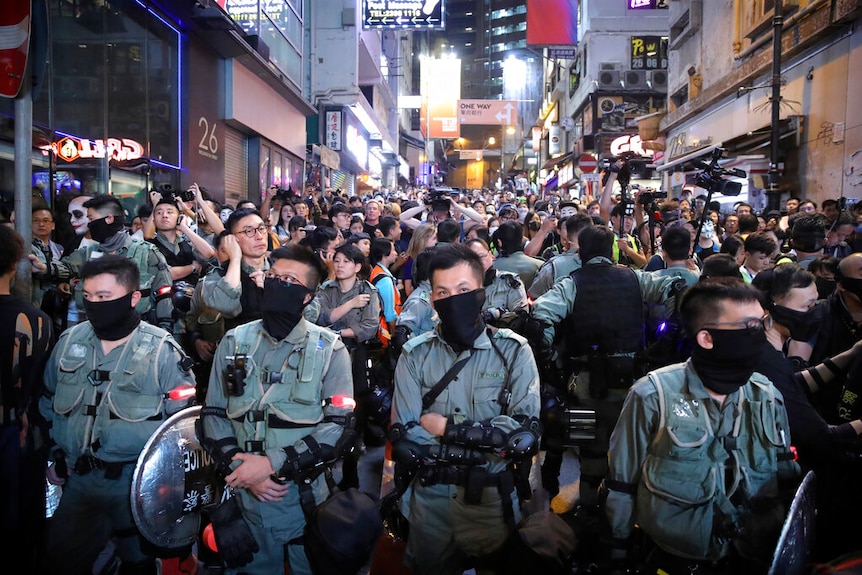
(731, 361)
(803, 325)
(461, 318)
(853, 285)
(281, 307)
(100, 230)
(114, 319)
(534, 226)
(825, 287)
(490, 274)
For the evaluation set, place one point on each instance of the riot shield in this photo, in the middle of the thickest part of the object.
(793, 552)
(173, 479)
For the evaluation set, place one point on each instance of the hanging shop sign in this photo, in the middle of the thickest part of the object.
(115, 149)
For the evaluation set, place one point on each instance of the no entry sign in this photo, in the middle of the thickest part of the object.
(587, 163)
(14, 45)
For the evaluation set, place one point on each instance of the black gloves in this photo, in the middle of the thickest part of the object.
(236, 545)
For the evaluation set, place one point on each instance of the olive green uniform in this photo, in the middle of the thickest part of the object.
(102, 409)
(314, 367)
(443, 526)
(557, 267)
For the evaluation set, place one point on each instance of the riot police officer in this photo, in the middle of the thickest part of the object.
(109, 384)
(598, 313)
(505, 294)
(465, 418)
(279, 409)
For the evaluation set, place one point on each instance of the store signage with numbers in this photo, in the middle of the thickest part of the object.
(407, 14)
(649, 53)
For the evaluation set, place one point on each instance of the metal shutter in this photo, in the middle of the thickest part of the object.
(235, 166)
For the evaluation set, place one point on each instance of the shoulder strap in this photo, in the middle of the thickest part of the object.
(506, 392)
(447, 378)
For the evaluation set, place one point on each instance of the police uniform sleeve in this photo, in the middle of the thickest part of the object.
(659, 289)
(49, 379)
(217, 429)
(554, 306)
(630, 439)
(220, 296)
(407, 399)
(161, 272)
(524, 403)
(410, 313)
(542, 282)
(174, 373)
(369, 317)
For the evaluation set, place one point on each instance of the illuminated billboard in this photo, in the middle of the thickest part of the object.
(441, 90)
(552, 22)
(406, 14)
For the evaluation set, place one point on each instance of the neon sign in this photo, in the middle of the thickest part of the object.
(119, 150)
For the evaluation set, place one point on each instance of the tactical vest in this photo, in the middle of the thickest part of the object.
(110, 415)
(283, 397)
(696, 487)
(184, 257)
(608, 311)
(250, 300)
(632, 241)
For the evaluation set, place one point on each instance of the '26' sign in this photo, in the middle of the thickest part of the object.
(208, 145)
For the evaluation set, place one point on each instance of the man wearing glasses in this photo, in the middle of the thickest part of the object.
(697, 443)
(237, 290)
(275, 418)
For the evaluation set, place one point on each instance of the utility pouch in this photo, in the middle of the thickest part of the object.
(522, 479)
(476, 481)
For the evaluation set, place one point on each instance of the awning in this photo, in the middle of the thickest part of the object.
(688, 157)
(762, 138)
(556, 161)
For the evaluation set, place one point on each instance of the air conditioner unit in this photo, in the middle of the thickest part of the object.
(635, 80)
(609, 79)
(657, 80)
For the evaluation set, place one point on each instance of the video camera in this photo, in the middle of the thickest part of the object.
(284, 195)
(712, 178)
(647, 197)
(439, 198)
(168, 192)
(633, 163)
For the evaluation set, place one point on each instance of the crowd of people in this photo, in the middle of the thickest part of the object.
(717, 354)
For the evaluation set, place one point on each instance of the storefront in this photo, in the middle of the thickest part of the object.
(136, 97)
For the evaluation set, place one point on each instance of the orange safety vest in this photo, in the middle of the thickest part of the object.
(377, 272)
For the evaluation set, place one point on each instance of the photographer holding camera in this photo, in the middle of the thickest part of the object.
(627, 249)
(184, 250)
(440, 206)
